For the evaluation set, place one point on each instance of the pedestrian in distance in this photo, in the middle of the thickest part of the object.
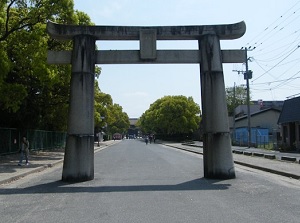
(146, 140)
(150, 139)
(24, 151)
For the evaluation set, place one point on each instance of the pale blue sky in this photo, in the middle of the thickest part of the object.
(272, 26)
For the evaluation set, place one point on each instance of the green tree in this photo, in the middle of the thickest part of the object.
(235, 96)
(34, 94)
(171, 115)
(117, 120)
(102, 104)
(19, 15)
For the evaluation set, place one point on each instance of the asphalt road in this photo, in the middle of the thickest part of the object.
(135, 182)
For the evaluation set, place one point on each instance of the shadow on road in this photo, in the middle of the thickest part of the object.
(62, 187)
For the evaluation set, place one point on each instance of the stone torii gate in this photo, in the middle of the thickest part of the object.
(79, 153)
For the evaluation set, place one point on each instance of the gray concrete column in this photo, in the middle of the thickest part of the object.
(79, 154)
(218, 160)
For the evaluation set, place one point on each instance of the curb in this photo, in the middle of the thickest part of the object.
(36, 170)
(281, 173)
(289, 158)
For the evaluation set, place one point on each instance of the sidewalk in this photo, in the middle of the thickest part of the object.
(284, 164)
(38, 161)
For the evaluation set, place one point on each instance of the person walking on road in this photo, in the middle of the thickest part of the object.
(24, 151)
(150, 139)
(146, 140)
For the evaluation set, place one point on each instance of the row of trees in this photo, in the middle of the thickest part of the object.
(108, 115)
(34, 94)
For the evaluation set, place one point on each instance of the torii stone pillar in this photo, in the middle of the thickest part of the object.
(79, 154)
(218, 160)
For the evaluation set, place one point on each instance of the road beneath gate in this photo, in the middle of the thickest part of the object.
(135, 182)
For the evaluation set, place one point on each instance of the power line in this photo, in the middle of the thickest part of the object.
(277, 29)
(281, 40)
(292, 96)
(281, 84)
(285, 47)
(268, 27)
(271, 82)
(282, 73)
(277, 63)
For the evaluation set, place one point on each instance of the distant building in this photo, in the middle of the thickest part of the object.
(242, 110)
(263, 116)
(133, 130)
(256, 106)
(266, 118)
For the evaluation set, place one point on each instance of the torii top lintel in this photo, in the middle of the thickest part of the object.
(67, 32)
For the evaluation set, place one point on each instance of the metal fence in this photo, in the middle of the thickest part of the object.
(10, 139)
(258, 140)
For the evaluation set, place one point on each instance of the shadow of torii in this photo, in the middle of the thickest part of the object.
(63, 187)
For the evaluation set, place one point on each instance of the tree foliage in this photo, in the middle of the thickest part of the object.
(109, 116)
(171, 115)
(235, 96)
(117, 120)
(102, 104)
(34, 94)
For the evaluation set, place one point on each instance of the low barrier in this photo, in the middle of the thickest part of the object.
(10, 140)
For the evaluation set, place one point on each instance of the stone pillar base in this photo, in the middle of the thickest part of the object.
(79, 159)
(218, 160)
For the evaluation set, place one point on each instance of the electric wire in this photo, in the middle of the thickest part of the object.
(268, 28)
(277, 63)
(276, 30)
(270, 82)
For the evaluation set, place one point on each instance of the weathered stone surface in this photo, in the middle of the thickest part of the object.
(67, 32)
(79, 159)
(148, 44)
(79, 153)
(218, 159)
(161, 57)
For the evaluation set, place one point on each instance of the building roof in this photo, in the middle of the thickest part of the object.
(290, 111)
(257, 113)
(133, 121)
(243, 109)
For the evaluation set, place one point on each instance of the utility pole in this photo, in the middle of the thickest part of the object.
(233, 113)
(247, 76)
